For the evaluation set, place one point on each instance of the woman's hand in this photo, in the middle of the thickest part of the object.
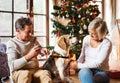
(73, 64)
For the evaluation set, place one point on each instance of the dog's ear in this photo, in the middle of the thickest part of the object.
(63, 42)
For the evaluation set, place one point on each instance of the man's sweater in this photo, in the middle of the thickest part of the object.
(16, 50)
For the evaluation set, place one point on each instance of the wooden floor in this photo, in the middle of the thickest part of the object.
(74, 79)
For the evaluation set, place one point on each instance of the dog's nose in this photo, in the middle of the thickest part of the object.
(74, 40)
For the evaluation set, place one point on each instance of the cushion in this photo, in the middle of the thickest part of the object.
(4, 69)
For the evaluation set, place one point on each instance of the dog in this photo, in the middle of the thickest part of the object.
(56, 61)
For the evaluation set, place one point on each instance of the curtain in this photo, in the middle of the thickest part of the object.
(114, 59)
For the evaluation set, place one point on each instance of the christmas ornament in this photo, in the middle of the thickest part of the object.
(58, 33)
(67, 15)
(63, 9)
(58, 16)
(63, 18)
(87, 12)
(77, 6)
(63, 2)
(81, 31)
(79, 16)
(84, 27)
(67, 27)
(73, 20)
(73, 17)
(88, 20)
(93, 15)
(80, 41)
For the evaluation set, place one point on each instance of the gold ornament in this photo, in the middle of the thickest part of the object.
(84, 27)
(81, 31)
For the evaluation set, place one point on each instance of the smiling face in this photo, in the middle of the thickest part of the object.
(98, 29)
(93, 35)
(26, 34)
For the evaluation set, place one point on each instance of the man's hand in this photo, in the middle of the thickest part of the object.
(45, 52)
(33, 52)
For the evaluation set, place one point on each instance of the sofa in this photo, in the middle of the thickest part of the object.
(4, 68)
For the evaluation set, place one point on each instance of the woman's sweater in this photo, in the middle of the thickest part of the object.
(95, 57)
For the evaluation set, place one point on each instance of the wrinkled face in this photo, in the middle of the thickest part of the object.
(93, 35)
(26, 34)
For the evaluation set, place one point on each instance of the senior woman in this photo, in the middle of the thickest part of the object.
(93, 61)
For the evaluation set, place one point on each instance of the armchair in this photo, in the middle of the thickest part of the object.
(4, 68)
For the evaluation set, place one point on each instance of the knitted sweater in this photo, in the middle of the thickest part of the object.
(95, 57)
(16, 50)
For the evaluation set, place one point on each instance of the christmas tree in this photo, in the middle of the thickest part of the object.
(73, 17)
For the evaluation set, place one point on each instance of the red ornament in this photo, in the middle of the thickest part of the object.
(63, 2)
(73, 20)
(59, 33)
(93, 15)
(77, 6)
(63, 9)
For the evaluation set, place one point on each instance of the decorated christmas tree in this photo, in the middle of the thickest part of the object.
(73, 17)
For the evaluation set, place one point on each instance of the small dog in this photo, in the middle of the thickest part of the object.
(60, 54)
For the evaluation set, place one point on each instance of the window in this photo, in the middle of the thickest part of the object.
(40, 12)
(10, 10)
(100, 6)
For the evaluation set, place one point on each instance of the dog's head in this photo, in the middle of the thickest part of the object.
(63, 44)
